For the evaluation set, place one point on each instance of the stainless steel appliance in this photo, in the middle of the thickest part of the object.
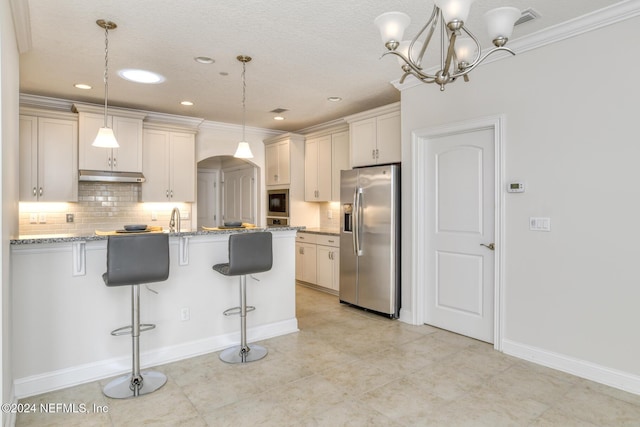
(370, 238)
(278, 203)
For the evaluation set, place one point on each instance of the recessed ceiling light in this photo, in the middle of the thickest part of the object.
(141, 76)
(204, 60)
(82, 86)
(187, 103)
(278, 118)
(334, 99)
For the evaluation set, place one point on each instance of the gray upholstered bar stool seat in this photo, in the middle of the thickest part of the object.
(133, 260)
(249, 253)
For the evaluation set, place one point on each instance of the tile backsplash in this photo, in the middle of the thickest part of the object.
(100, 206)
(330, 209)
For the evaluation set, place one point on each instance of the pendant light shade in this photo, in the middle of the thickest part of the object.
(243, 151)
(105, 137)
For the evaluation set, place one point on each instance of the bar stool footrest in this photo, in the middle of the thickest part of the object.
(237, 310)
(128, 330)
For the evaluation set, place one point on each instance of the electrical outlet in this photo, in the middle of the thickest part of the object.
(329, 214)
(33, 218)
(154, 216)
(184, 215)
(70, 217)
(185, 314)
(42, 218)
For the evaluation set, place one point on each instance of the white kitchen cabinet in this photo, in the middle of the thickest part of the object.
(277, 163)
(169, 166)
(48, 159)
(339, 161)
(306, 258)
(375, 139)
(128, 133)
(317, 169)
(328, 262)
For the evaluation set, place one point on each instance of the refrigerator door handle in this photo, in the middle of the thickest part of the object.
(357, 216)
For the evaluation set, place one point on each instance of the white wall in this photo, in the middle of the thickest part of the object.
(572, 135)
(9, 76)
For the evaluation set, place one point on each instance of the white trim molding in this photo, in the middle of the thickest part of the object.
(581, 368)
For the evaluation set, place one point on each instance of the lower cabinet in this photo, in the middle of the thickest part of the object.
(318, 260)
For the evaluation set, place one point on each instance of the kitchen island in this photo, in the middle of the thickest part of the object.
(63, 312)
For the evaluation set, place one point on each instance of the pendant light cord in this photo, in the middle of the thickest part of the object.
(244, 90)
(106, 72)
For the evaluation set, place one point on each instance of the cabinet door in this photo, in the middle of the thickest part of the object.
(90, 157)
(324, 169)
(283, 163)
(271, 164)
(328, 266)
(57, 160)
(339, 161)
(388, 136)
(128, 132)
(182, 174)
(311, 170)
(155, 166)
(306, 262)
(363, 142)
(28, 179)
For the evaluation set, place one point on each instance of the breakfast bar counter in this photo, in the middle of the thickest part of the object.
(63, 312)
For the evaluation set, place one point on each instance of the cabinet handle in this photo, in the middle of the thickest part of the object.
(330, 241)
(115, 162)
(373, 154)
(40, 191)
(171, 194)
(35, 191)
(330, 255)
(167, 194)
(301, 251)
(109, 161)
(275, 178)
(377, 153)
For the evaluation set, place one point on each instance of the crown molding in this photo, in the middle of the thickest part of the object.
(574, 27)
(337, 125)
(390, 108)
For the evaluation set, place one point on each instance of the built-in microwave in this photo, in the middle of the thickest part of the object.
(278, 203)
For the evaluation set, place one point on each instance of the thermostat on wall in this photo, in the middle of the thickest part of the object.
(515, 187)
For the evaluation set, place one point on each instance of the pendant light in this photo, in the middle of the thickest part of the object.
(243, 151)
(105, 137)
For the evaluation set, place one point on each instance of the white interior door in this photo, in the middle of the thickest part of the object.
(459, 181)
(240, 195)
(207, 198)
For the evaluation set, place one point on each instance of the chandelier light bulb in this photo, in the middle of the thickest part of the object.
(465, 50)
(454, 10)
(392, 26)
(500, 22)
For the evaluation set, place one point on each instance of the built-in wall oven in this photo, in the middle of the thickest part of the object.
(278, 203)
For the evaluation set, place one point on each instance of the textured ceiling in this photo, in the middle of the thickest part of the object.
(303, 52)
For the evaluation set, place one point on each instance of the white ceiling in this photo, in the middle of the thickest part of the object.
(303, 52)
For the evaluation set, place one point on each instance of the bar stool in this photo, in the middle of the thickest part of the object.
(248, 253)
(133, 260)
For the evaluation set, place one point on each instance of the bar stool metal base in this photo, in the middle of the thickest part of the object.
(124, 387)
(236, 355)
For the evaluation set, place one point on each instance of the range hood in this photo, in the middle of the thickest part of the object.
(103, 176)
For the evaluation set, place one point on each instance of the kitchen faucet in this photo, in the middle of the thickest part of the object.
(175, 214)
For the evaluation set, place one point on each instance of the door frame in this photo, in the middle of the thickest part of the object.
(419, 139)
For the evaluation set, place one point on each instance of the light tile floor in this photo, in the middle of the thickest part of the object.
(349, 367)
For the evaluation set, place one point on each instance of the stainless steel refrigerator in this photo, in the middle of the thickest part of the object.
(370, 238)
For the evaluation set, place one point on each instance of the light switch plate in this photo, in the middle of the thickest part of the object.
(540, 224)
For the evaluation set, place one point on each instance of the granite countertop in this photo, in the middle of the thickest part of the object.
(66, 238)
(325, 231)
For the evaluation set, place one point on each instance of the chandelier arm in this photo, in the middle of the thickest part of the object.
(478, 46)
(475, 64)
(416, 70)
(450, 52)
(431, 24)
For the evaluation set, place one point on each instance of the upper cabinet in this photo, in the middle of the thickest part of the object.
(127, 127)
(169, 165)
(376, 136)
(277, 166)
(326, 154)
(48, 157)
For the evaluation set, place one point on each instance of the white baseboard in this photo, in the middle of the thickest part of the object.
(10, 419)
(406, 316)
(590, 371)
(63, 378)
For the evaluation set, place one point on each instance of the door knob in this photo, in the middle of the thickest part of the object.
(490, 246)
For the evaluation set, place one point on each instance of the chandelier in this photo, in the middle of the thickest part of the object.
(460, 50)
(244, 150)
(106, 137)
